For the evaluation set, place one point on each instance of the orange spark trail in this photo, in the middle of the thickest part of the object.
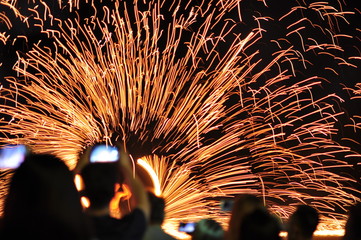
(217, 98)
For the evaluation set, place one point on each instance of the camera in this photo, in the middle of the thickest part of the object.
(11, 156)
(104, 153)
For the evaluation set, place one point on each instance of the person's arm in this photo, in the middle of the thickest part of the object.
(136, 186)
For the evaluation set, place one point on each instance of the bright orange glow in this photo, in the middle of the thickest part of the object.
(323, 233)
(85, 202)
(178, 235)
(123, 195)
(340, 232)
(152, 174)
(78, 182)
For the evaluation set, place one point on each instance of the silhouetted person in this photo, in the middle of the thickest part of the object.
(302, 223)
(353, 224)
(99, 187)
(260, 225)
(43, 202)
(242, 206)
(208, 229)
(157, 215)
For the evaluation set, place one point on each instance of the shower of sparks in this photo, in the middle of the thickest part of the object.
(191, 93)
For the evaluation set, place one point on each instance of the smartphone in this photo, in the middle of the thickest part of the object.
(188, 227)
(11, 156)
(226, 205)
(104, 153)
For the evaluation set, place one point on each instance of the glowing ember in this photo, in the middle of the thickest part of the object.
(217, 99)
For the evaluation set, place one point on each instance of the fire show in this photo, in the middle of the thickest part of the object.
(211, 99)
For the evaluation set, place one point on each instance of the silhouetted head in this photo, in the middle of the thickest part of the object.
(260, 225)
(43, 202)
(208, 229)
(302, 223)
(157, 208)
(99, 183)
(352, 228)
(242, 206)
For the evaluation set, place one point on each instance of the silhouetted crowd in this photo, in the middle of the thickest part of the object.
(44, 203)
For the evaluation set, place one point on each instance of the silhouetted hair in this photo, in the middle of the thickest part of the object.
(260, 225)
(99, 181)
(306, 218)
(157, 208)
(353, 224)
(208, 229)
(43, 202)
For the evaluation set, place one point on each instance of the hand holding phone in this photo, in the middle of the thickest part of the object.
(11, 156)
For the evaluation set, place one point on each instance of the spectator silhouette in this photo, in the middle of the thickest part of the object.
(99, 187)
(353, 224)
(302, 223)
(154, 230)
(43, 202)
(260, 225)
(208, 229)
(243, 205)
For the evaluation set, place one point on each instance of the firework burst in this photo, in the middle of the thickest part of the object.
(215, 105)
